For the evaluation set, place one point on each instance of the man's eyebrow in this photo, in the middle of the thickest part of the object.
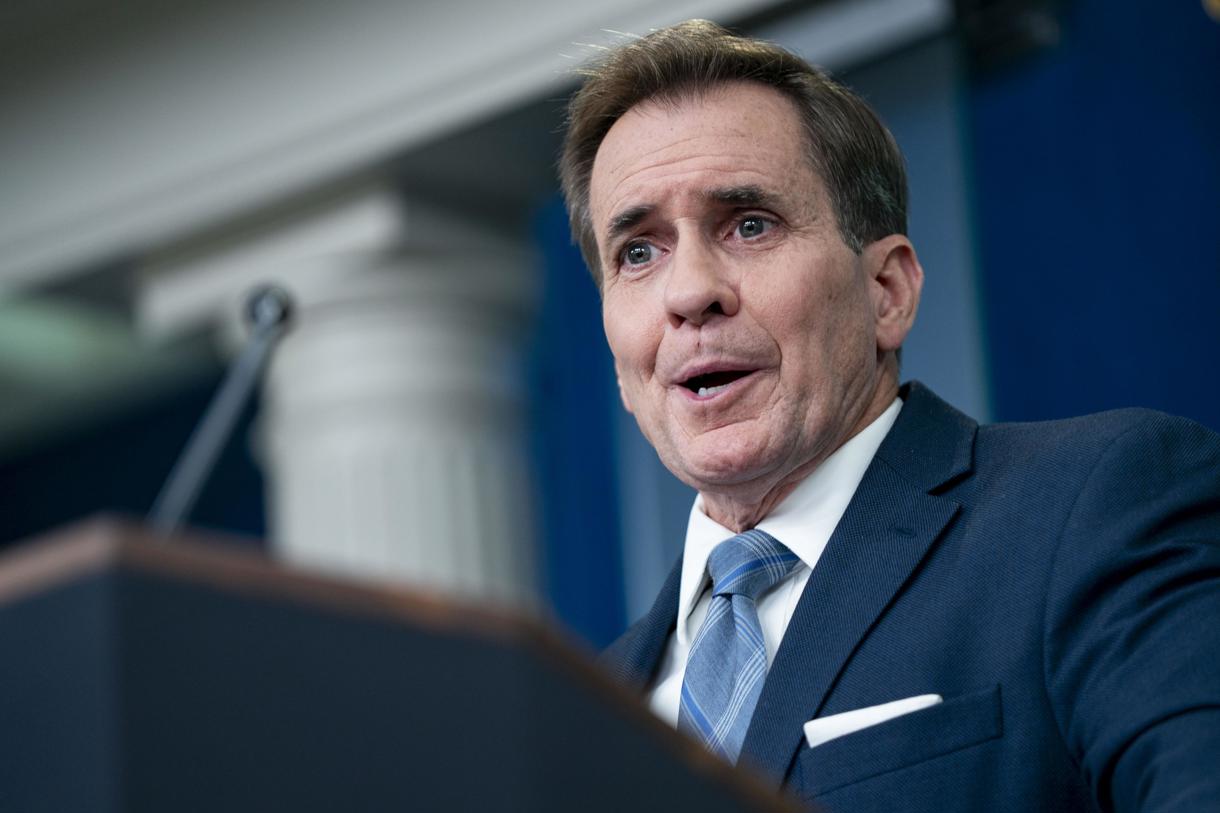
(627, 220)
(747, 196)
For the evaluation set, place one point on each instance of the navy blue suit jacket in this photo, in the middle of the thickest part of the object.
(1057, 583)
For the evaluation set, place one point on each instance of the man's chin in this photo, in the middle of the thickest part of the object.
(719, 471)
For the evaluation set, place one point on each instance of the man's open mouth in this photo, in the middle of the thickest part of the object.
(709, 384)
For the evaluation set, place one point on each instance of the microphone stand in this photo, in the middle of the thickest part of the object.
(268, 310)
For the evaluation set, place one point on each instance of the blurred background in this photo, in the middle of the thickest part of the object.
(442, 412)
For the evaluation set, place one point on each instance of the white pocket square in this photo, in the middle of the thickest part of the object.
(824, 729)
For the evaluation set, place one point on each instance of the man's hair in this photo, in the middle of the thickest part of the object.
(850, 149)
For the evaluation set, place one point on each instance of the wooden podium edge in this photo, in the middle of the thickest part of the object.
(219, 560)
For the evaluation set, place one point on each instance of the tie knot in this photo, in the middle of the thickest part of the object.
(749, 564)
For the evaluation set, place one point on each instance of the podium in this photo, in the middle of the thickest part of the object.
(138, 674)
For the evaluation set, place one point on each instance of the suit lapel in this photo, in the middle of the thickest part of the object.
(871, 554)
(888, 528)
(636, 655)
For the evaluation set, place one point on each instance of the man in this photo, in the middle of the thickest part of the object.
(881, 604)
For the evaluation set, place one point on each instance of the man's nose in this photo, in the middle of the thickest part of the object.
(699, 286)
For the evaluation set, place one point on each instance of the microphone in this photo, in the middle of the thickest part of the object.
(268, 310)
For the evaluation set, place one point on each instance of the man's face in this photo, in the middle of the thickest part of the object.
(742, 326)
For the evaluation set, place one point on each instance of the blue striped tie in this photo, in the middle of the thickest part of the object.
(727, 662)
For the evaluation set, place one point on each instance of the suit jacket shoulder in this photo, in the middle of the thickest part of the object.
(1057, 583)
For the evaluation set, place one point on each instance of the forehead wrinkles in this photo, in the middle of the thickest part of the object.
(683, 192)
(624, 150)
(738, 126)
(645, 170)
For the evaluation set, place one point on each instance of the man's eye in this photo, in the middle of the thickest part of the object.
(752, 227)
(637, 253)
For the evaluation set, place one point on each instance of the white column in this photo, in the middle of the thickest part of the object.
(393, 430)
(395, 427)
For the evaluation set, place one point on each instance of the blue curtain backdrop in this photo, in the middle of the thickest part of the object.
(575, 444)
(1096, 177)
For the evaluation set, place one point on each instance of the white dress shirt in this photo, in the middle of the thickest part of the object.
(803, 522)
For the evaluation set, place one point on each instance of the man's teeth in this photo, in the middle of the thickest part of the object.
(706, 391)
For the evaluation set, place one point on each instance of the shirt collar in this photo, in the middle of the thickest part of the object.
(803, 521)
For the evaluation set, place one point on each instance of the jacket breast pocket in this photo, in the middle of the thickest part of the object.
(953, 725)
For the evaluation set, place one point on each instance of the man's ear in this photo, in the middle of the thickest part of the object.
(622, 393)
(896, 280)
